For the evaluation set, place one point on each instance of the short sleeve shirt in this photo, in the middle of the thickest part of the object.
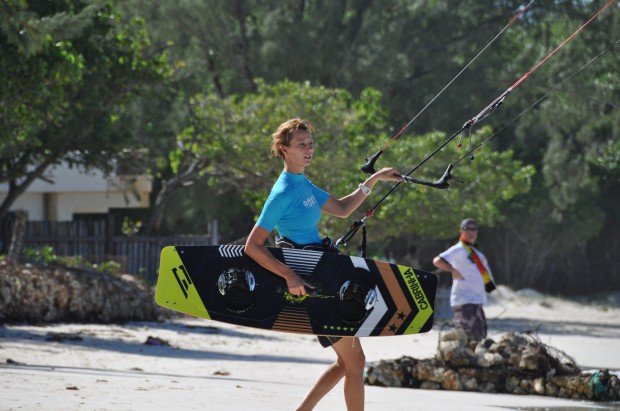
(294, 208)
(470, 290)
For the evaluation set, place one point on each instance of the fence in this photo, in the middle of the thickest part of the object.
(91, 240)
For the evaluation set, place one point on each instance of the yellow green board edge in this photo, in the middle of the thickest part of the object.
(425, 310)
(175, 289)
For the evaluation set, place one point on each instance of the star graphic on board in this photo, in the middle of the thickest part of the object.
(393, 328)
(401, 315)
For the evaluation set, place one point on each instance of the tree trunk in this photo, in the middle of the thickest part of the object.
(168, 188)
(17, 237)
(244, 45)
(216, 77)
(16, 190)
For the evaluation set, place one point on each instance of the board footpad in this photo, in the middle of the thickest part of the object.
(356, 300)
(236, 286)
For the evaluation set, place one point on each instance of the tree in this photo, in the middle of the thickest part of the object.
(570, 137)
(207, 42)
(66, 87)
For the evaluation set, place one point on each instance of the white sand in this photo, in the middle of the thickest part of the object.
(216, 366)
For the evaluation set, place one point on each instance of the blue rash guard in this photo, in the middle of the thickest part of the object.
(294, 208)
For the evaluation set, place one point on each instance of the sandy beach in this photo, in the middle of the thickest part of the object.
(216, 366)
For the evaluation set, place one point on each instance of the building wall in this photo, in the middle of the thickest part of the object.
(76, 191)
(32, 203)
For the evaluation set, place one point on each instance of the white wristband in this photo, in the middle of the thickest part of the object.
(365, 189)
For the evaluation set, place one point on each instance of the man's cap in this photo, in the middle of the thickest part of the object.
(468, 221)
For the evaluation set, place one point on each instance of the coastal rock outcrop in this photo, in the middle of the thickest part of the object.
(43, 294)
(515, 364)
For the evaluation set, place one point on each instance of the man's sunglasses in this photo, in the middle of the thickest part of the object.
(470, 228)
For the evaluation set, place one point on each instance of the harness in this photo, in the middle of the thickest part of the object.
(326, 245)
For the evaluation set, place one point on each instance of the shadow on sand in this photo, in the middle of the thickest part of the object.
(101, 372)
(116, 343)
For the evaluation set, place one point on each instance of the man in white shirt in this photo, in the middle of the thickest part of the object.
(470, 276)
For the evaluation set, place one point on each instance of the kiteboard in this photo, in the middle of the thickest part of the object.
(352, 296)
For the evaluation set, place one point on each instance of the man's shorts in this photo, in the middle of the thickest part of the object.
(471, 318)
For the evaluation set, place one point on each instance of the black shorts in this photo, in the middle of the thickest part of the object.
(327, 341)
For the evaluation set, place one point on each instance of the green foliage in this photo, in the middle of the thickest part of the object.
(109, 267)
(45, 255)
(607, 158)
(130, 227)
(408, 50)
